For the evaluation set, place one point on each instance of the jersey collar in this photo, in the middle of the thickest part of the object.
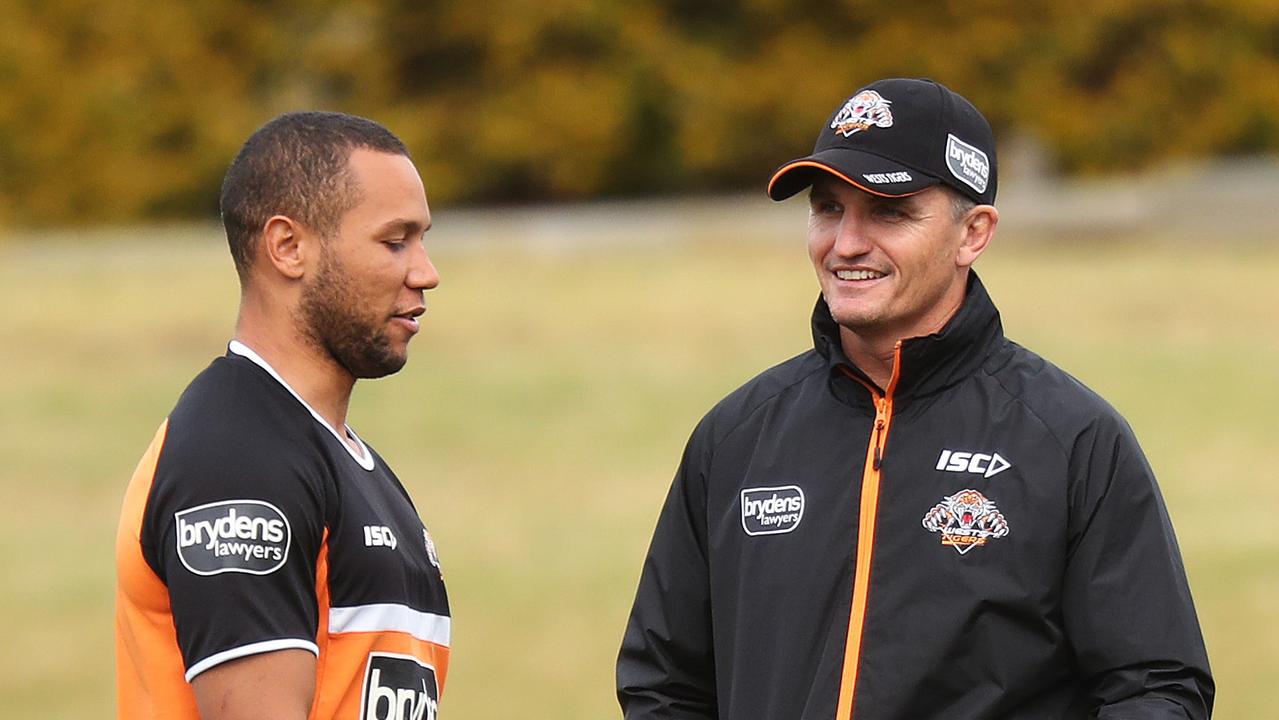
(364, 457)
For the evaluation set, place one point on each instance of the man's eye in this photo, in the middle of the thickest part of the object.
(825, 207)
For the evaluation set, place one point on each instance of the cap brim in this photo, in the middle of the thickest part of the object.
(864, 171)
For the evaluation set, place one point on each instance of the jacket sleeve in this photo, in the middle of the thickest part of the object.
(666, 666)
(1126, 602)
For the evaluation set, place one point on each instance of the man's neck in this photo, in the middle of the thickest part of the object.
(873, 355)
(874, 352)
(317, 379)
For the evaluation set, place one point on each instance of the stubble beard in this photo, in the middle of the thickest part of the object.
(856, 315)
(898, 317)
(331, 320)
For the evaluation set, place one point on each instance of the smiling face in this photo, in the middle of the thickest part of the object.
(892, 268)
(361, 304)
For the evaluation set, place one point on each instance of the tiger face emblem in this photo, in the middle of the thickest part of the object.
(864, 110)
(966, 520)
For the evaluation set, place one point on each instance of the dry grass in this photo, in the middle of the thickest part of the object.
(544, 411)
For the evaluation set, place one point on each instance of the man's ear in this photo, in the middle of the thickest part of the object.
(285, 245)
(978, 227)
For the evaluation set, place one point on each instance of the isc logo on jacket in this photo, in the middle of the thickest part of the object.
(970, 462)
(398, 687)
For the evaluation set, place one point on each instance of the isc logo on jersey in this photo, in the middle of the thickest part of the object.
(398, 687)
(248, 536)
(379, 536)
(772, 510)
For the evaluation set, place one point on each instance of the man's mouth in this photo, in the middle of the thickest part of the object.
(409, 317)
(859, 274)
(410, 313)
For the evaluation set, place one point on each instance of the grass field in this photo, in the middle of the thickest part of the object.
(544, 410)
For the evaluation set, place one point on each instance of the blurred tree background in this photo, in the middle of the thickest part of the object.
(565, 362)
(131, 110)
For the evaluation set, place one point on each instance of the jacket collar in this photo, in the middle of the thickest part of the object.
(931, 363)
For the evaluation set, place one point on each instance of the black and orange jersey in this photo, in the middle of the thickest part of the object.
(250, 526)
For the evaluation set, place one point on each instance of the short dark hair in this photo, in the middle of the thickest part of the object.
(960, 204)
(296, 165)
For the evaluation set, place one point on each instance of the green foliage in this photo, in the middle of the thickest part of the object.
(134, 108)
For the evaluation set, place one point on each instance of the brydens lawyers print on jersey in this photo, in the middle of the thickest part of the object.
(398, 687)
(248, 536)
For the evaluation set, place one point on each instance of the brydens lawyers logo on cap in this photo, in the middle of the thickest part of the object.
(772, 510)
(968, 163)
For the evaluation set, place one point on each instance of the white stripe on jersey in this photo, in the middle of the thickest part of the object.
(256, 648)
(391, 617)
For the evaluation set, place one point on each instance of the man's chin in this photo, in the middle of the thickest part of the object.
(856, 319)
(390, 367)
(370, 366)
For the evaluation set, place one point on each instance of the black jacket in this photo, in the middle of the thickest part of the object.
(983, 540)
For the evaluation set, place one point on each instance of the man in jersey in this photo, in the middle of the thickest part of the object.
(270, 564)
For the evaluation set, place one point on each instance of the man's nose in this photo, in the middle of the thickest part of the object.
(422, 273)
(851, 237)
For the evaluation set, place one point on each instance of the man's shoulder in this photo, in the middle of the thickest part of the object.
(237, 437)
(1056, 397)
(234, 411)
(767, 387)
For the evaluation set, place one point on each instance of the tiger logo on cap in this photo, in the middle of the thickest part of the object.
(863, 111)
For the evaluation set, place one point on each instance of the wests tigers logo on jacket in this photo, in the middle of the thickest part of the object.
(966, 520)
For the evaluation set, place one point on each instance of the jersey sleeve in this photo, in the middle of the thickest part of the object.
(234, 527)
(1126, 600)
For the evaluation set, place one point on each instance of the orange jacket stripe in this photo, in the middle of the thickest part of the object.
(866, 539)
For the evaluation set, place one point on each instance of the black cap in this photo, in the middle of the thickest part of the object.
(898, 137)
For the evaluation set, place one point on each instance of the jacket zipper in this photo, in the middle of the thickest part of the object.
(866, 535)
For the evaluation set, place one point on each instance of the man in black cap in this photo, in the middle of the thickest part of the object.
(917, 518)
